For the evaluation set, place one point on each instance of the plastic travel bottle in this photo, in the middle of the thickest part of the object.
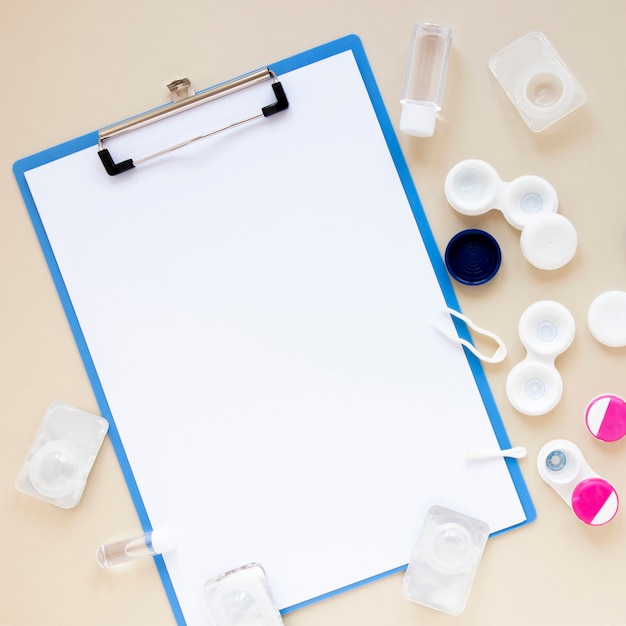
(151, 543)
(424, 82)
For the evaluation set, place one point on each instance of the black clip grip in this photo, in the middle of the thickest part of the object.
(281, 101)
(112, 168)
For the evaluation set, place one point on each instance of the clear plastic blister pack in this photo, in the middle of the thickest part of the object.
(62, 454)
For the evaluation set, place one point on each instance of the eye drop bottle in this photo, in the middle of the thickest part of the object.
(133, 548)
(424, 82)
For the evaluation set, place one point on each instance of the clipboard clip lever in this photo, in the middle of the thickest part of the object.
(183, 98)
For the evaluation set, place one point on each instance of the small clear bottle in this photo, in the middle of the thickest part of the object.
(424, 82)
(149, 544)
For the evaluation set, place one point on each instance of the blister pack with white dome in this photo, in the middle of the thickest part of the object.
(241, 596)
(444, 560)
(62, 454)
(537, 81)
(534, 386)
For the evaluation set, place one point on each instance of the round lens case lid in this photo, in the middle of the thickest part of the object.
(473, 257)
(549, 241)
(595, 501)
(606, 319)
(605, 417)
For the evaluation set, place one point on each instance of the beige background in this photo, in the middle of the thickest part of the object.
(71, 66)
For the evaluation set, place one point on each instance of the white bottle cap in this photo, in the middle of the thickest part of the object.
(418, 119)
(549, 241)
(162, 541)
(606, 319)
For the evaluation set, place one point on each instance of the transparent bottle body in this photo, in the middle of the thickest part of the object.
(125, 550)
(425, 78)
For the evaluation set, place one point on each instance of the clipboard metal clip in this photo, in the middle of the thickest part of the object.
(183, 98)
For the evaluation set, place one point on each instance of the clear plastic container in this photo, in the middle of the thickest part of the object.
(537, 81)
(424, 82)
(241, 597)
(62, 454)
(445, 560)
(127, 550)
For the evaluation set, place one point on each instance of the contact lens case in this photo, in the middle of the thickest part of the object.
(534, 386)
(529, 203)
(593, 499)
(473, 187)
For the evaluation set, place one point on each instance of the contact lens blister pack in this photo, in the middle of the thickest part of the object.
(444, 561)
(241, 596)
(537, 81)
(62, 454)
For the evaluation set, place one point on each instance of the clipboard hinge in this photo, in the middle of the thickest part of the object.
(184, 97)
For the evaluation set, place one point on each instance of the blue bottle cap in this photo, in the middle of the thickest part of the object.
(473, 257)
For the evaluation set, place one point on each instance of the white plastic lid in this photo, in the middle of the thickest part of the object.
(606, 318)
(549, 241)
(418, 119)
(162, 541)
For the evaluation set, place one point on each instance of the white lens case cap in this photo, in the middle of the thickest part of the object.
(606, 319)
(549, 241)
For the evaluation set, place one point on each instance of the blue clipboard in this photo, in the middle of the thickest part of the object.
(34, 175)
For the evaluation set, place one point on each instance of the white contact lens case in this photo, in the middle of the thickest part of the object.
(62, 454)
(529, 203)
(444, 560)
(537, 81)
(593, 499)
(473, 187)
(534, 386)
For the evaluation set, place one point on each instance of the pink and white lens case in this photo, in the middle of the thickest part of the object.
(605, 417)
(593, 499)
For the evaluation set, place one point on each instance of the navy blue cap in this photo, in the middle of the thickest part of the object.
(473, 257)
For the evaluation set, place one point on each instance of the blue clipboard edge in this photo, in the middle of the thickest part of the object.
(348, 43)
